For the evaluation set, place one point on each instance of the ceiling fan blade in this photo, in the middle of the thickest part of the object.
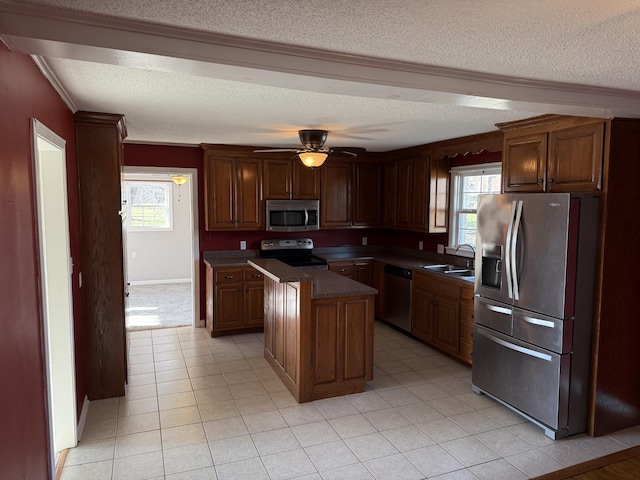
(275, 150)
(344, 153)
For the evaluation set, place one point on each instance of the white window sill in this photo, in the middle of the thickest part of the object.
(463, 252)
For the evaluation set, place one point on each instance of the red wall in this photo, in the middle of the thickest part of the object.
(25, 93)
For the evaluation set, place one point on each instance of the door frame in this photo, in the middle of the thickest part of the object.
(56, 288)
(192, 182)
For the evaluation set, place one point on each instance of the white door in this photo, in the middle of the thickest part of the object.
(55, 271)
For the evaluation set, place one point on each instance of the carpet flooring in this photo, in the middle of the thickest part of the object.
(161, 305)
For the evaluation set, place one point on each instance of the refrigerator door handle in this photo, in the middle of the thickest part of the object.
(514, 243)
(493, 308)
(507, 257)
(517, 348)
(539, 322)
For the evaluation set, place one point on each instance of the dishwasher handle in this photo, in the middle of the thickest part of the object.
(398, 271)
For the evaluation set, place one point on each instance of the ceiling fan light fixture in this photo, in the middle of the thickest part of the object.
(312, 159)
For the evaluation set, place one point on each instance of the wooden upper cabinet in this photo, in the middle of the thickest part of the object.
(575, 158)
(420, 193)
(306, 181)
(403, 194)
(439, 195)
(277, 182)
(367, 194)
(335, 202)
(389, 193)
(524, 163)
(286, 179)
(233, 192)
(553, 153)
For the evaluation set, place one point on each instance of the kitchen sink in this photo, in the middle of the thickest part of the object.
(450, 270)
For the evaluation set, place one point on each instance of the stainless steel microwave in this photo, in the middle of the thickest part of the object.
(292, 215)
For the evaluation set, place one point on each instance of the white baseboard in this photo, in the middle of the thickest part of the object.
(83, 416)
(153, 282)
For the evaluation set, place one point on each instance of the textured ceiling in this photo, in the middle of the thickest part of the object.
(588, 43)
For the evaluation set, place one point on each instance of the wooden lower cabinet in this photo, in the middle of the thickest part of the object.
(319, 348)
(442, 315)
(466, 324)
(235, 300)
(379, 284)
(360, 271)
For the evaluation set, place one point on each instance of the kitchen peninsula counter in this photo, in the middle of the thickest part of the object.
(318, 330)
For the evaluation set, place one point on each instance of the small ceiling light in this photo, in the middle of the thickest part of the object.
(179, 179)
(312, 159)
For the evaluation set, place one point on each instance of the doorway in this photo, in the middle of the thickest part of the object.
(161, 247)
(56, 268)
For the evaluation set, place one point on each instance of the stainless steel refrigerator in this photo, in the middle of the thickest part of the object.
(535, 268)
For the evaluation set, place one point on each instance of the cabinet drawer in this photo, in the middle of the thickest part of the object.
(466, 296)
(253, 275)
(436, 286)
(228, 275)
(466, 332)
(342, 268)
(466, 314)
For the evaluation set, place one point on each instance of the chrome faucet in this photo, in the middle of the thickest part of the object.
(469, 262)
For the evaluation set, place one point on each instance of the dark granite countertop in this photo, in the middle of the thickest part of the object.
(238, 258)
(326, 284)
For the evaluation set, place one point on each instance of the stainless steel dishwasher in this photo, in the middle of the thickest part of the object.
(398, 296)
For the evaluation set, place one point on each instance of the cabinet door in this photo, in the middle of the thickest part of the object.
(346, 269)
(422, 312)
(575, 159)
(367, 185)
(439, 195)
(253, 298)
(228, 306)
(220, 193)
(335, 204)
(378, 284)
(420, 194)
(363, 273)
(306, 181)
(403, 194)
(277, 179)
(446, 334)
(389, 194)
(524, 163)
(249, 198)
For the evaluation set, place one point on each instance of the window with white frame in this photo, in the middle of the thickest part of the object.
(466, 184)
(148, 205)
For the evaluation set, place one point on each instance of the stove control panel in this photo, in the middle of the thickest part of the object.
(286, 244)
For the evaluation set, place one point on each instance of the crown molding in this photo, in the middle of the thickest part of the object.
(55, 83)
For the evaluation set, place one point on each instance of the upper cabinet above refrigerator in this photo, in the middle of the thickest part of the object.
(553, 153)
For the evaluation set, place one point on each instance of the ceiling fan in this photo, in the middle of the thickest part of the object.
(313, 152)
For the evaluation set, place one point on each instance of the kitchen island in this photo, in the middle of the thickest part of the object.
(318, 330)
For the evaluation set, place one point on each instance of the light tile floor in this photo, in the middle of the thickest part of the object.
(201, 408)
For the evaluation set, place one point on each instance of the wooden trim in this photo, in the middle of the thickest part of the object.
(60, 463)
(558, 122)
(596, 463)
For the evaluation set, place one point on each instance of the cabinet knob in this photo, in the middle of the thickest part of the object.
(341, 270)
(550, 180)
(540, 181)
(228, 277)
(257, 275)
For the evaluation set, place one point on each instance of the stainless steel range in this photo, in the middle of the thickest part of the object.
(297, 252)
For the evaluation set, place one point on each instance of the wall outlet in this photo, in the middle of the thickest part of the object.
(420, 245)
(243, 245)
(134, 255)
(440, 248)
(364, 240)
